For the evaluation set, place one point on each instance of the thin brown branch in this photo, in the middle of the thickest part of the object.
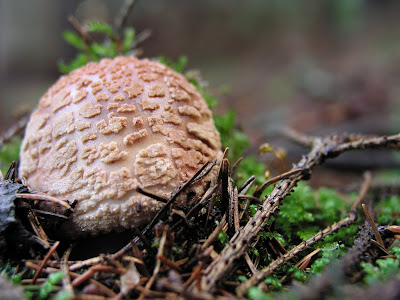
(86, 263)
(275, 179)
(363, 191)
(140, 38)
(212, 237)
(87, 39)
(373, 226)
(93, 270)
(46, 258)
(186, 294)
(156, 270)
(48, 198)
(244, 188)
(303, 263)
(148, 194)
(37, 228)
(250, 264)
(67, 278)
(299, 137)
(204, 199)
(123, 16)
(16, 130)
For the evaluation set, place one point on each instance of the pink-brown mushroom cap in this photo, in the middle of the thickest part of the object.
(109, 127)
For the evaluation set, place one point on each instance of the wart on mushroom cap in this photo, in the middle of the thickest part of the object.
(109, 127)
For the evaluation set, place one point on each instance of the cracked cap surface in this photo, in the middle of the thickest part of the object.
(109, 127)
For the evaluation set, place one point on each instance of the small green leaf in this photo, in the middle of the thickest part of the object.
(319, 264)
(181, 63)
(73, 39)
(307, 232)
(79, 61)
(274, 282)
(226, 122)
(56, 277)
(49, 285)
(16, 279)
(274, 235)
(62, 295)
(256, 294)
(99, 51)
(177, 66)
(395, 251)
(223, 238)
(98, 26)
(254, 251)
(129, 37)
(299, 275)
(252, 209)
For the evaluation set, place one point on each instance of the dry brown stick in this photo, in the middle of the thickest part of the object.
(86, 263)
(211, 237)
(363, 191)
(87, 39)
(157, 268)
(303, 263)
(322, 149)
(46, 258)
(236, 219)
(266, 184)
(261, 275)
(250, 264)
(180, 290)
(14, 131)
(298, 137)
(373, 226)
(42, 197)
(392, 142)
(106, 290)
(93, 270)
(123, 16)
(67, 278)
(204, 199)
(39, 232)
(244, 188)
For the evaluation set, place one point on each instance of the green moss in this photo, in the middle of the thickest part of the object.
(382, 270)
(388, 211)
(178, 66)
(8, 153)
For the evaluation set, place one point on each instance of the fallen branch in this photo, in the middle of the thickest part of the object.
(348, 220)
(322, 149)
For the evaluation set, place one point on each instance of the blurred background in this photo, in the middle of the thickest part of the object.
(322, 67)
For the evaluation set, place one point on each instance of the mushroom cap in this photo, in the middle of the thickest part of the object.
(109, 127)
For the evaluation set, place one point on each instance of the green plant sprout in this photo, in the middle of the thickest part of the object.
(110, 47)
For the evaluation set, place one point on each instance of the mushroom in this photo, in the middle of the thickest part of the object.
(110, 127)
